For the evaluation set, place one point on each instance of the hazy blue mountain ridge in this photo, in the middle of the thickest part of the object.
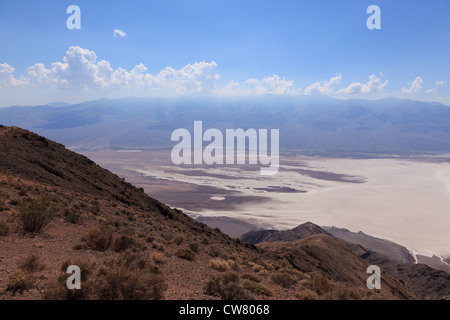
(311, 124)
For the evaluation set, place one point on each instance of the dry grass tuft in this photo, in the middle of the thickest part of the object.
(284, 280)
(251, 276)
(257, 288)
(306, 294)
(219, 265)
(185, 253)
(227, 287)
(19, 281)
(31, 264)
(99, 240)
(124, 242)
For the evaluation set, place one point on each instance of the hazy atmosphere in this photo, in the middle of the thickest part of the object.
(224, 150)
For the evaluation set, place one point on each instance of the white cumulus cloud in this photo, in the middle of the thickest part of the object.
(416, 86)
(435, 89)
(5, 74)
(196, 78)
(271, 85)
(7, 78)
(373, 85)
(323, 87)
(80, 70)
(119, 33)
(268, 85)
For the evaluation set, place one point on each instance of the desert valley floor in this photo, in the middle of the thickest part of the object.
(402, 199)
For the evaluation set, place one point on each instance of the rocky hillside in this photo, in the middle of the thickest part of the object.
(310, 247)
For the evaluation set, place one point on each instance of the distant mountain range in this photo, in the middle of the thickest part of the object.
(310, 124)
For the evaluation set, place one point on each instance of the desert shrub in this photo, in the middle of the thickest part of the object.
(320, 284)
(219, 265)
(227, 287)
(158, 257)
(193, 246)
(73, 216)
(19, 281)
(268, 266)
(178, 239)
(300, 275)
(58, 290)
(128, 276)
(341, 292)
(234, 291)
(158, 246)
(306, 294)
(87, 266)
(35, 214)
(185, 253)
(131, 277)
(99, 240)
(214, 251)
(257, 288)
(4, 229)
(256, 267)
(124, 242)
(251, 276)
(31, 263)
(234, 265)
(213, 286)
(230, 277)
(284, 280)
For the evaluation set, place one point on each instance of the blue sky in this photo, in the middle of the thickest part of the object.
(213, 47)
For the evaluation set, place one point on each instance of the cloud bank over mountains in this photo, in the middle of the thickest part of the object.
(80, 69)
